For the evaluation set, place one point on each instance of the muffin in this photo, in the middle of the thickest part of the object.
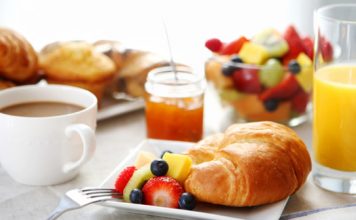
(77, 63)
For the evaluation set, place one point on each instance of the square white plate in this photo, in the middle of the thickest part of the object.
(203, 210)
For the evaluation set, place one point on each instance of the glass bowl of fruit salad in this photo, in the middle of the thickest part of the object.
(267, 77)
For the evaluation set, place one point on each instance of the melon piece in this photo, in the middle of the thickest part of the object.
(213, 72)
(251, 108)
(271, 73)
(230, 95)
(143, 158)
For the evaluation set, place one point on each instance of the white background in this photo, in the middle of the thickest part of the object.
(138, 23)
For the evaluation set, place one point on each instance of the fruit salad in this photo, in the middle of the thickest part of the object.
(157, 181)
(266, 77)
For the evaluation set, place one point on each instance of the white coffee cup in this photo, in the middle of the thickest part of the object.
(47, 150)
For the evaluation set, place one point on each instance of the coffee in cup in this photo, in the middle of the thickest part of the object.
(47, 132)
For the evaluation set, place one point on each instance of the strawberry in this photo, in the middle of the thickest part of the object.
(162, 191)
(233, 47)
(294, 42)
(284, 90)
(214, 44)
(124, 178)
(326, 49)
(308, 47)
(300, 101)
(247, 80)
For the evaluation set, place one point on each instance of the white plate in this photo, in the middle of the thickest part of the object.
(203, 210)
(112, 107)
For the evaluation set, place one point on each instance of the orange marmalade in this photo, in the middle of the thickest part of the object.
(174, 104)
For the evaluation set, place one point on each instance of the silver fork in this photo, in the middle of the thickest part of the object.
(77, 198)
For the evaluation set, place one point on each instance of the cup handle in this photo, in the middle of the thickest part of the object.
(87, 136)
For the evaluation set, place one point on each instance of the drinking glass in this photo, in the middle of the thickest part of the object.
(334, 98)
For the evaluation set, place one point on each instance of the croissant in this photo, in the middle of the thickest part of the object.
(4, 84)
(248, 165)
(18, 59)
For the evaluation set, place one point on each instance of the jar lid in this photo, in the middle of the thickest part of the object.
(182, 83)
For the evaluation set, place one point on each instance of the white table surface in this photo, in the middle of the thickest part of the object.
(115, 137)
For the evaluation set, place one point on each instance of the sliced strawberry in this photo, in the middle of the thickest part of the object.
(308, 47)
(326, 49)
(124, 178)
(295, 44)
(162, 191)
(284, 90)
(233, 47)
(214, 44)
(300, 101)
(247, 80)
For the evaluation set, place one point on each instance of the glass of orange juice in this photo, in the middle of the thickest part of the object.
(174, 104)
(334, 98)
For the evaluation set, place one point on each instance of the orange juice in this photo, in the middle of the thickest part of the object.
(334, 123)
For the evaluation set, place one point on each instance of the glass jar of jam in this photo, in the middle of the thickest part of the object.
(174, 104)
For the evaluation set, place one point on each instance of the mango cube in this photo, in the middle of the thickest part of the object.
(179, 166)
(305, 76)
(253, 53)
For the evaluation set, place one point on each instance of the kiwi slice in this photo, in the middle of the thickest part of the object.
(274, 43)
(137, 180)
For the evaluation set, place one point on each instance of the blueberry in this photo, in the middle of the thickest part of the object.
(228, 69)
(166, 151)
(159, 167)
(294, 67)
(236, 59)
(187, 201)
(136, 196)
(271, 105)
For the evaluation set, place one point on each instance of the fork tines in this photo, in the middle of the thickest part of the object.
(101, 192)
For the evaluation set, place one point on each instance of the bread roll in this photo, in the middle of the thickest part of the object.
(18, 60)
(135, 68)
(113, 49)
(249, 164)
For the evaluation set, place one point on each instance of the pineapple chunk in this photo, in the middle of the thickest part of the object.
(179, 166)
(305, 77)
(144, 158)
(253, 53)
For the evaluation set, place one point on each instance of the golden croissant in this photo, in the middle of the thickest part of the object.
(18, 59)
(248, 165)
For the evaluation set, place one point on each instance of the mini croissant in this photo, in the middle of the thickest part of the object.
(248, 165)
(18, 60)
